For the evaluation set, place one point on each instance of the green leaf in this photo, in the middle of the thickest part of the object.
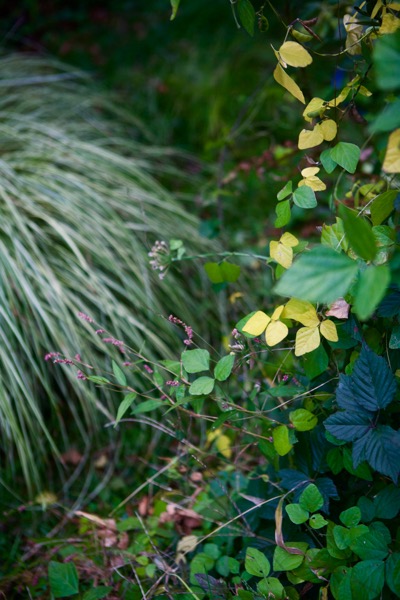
(311, 498)
(340, 584)
(283, 213)
(394, 342)
(147, 406)
(315, 362)
(98, 380)
(213, 272)
(195, 361)
(387, 61)
(202, 386)
(367, 509)
(256, 563)
(393, 573)
(285, 561)
(285, 191)
(280, 436)
(123, 407)
(297, 514)
(359, 234)
(247, 15)
(370, 546)
(303, 420)
(304, 197)
(317, 521)
(321, 275)
(334, 458)
(387, 502)
(327, 161)
(346, 156)
(387, 120)
(367, 579)
(382, 206)
(118, 373)
(229, 271)
(175, 6)
(63, 579)
(97, 593)
(224, 367)
(351, 516)
(271, 587)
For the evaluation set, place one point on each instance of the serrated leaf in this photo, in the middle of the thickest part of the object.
(288, 83)
(124, 406)
(373, 384)
(371, 288)
(195, 361)
(321, 275)
(310, 138)
(295, 55)
(329, 331)
(303, 420)
(224, 367)
(307, 340)
(381, 448)
(297, 514)
(63, 579)
(391, 163)
(301, 311)
(257, 323)
(280, 436)
(346, 155)
(348, 425)
(285, 191)
(283, 213)
(118, 373)
(311, 498)
(359, 234)
(202, 386)
(247, 15)
(275, 333)
(256, 563)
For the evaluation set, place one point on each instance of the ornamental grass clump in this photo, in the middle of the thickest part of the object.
(81, 207)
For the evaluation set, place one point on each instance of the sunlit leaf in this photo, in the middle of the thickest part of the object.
(329, 331)
(175, 6)
(287, 239)
(328, 128)
(275, 333)
(307, 340)
(303, 420)
(295, 55)
(315, 183)
(288, 83)
(277, 313)
(223, 445)
(257, 323)
(280, 436)
(310, 171)
(310, 138)
(391, 164)
(315, 108)
(301, 311)
(283, 255)
(390, 24)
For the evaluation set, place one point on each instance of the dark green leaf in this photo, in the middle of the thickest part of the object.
(315, 362)
(321, 275)
(393, 573)
(311, 498)
(346, 155)
(63, 579)
(382, 451)
(351, 516)
(371, 288)
(367, 509)
(195, 361)
(97, 593)
(334, 458)
(304, 197)
(118, 373)
(370, 546)
(388, 119)
(383, 205)
(348, 425)
(271, 587)
(285, 561)
(387, 61)
(202, 386)
(247, 15)
(367, 579)
(340, 584)
(256, 563)
(373, 384)
(359, 233)
(99, 380)
(224, 367)
(387, 502)
(394, 342)
(283, 213)
(147, 406)
(123, 407)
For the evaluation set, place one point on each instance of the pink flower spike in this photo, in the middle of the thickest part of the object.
(85, 317)
(148, 369)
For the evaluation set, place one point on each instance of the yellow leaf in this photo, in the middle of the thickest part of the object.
(287, 239)
(364, 91)
(341, 98)
(295, 55)
(310, 171)
(329, 331)
(391, 164)
(310, 139)
(307, 340)
(376, 9)
(223, 445)
(354, 33)
(277, 313)
(212, 435)
(275, 333)
(328, 129)
(288, 83)
(313, 182)
(257, 323)
(315, 108)
(282, 254)
(390, 24)
(301, 311)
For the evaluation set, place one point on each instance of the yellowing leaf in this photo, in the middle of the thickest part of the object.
(257, 323)
(295, 55)
(364, 91)
(340, 98)
(310, 171)
(223, 445)
(391, 164)
(376, 9)
(275, 333)
(315, 183)
(287, 239)
(301, 311)
(212, 435)
(390, 24)
(277, 313)
(288, 83)
(328, 128)
(307, 340)
(310, 139)
(315, 108)
(354, 33)
(282, 254)
(329, 331)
